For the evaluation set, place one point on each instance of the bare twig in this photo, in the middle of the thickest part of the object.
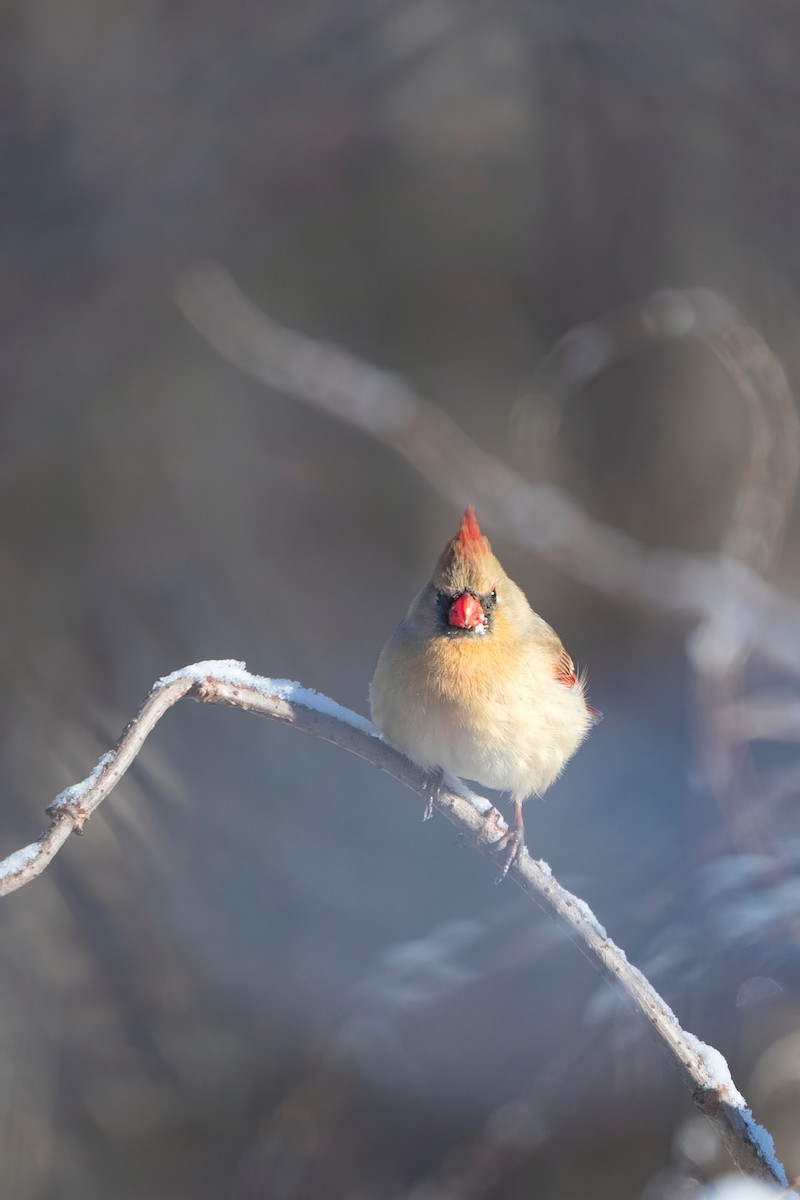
(745, 611)
(701, 1067)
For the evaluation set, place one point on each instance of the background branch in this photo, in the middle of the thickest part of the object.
(724, 591)
(700, 1066)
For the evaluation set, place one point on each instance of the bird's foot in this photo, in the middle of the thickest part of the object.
(513, 843)
(433, 788)
(512, 840)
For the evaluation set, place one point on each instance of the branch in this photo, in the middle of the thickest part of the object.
(701, 1067)
(745, 611)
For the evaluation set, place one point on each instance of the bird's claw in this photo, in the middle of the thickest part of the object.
(433, 787)
(513, 843)
(511, 840)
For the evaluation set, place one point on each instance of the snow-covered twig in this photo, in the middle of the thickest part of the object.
(724, 591)
(701, 1067)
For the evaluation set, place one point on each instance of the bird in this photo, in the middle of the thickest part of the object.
(474, 683)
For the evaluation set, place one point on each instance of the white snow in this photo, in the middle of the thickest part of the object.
(286, 689)
(454, 784)
(230, 671)
(19, 860)
(762, 1139)
(588, 916)
(76, 791)
(719, 1077)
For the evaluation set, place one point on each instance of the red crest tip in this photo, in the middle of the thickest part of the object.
(469, 539)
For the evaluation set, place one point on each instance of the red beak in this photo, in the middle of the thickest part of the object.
(466, 612)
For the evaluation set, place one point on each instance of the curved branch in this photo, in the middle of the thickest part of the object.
(767, 484)
(701, 1068)
(746, 611)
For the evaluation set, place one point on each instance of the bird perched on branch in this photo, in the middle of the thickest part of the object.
(475, 683)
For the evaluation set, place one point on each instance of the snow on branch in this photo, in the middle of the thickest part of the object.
(701, 1067)
(725, 592)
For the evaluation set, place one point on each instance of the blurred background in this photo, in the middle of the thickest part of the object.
(258, 974)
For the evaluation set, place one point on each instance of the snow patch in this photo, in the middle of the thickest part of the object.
(76, 791)
(229, 670)
(235, 673)
(19, 860)
(719, 1077)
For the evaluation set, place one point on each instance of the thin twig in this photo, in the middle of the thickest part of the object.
(701, 1068)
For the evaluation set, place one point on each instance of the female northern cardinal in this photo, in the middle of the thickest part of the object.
(475, 683)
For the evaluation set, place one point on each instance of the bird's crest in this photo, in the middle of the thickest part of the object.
(467, 562)
(469, 539)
